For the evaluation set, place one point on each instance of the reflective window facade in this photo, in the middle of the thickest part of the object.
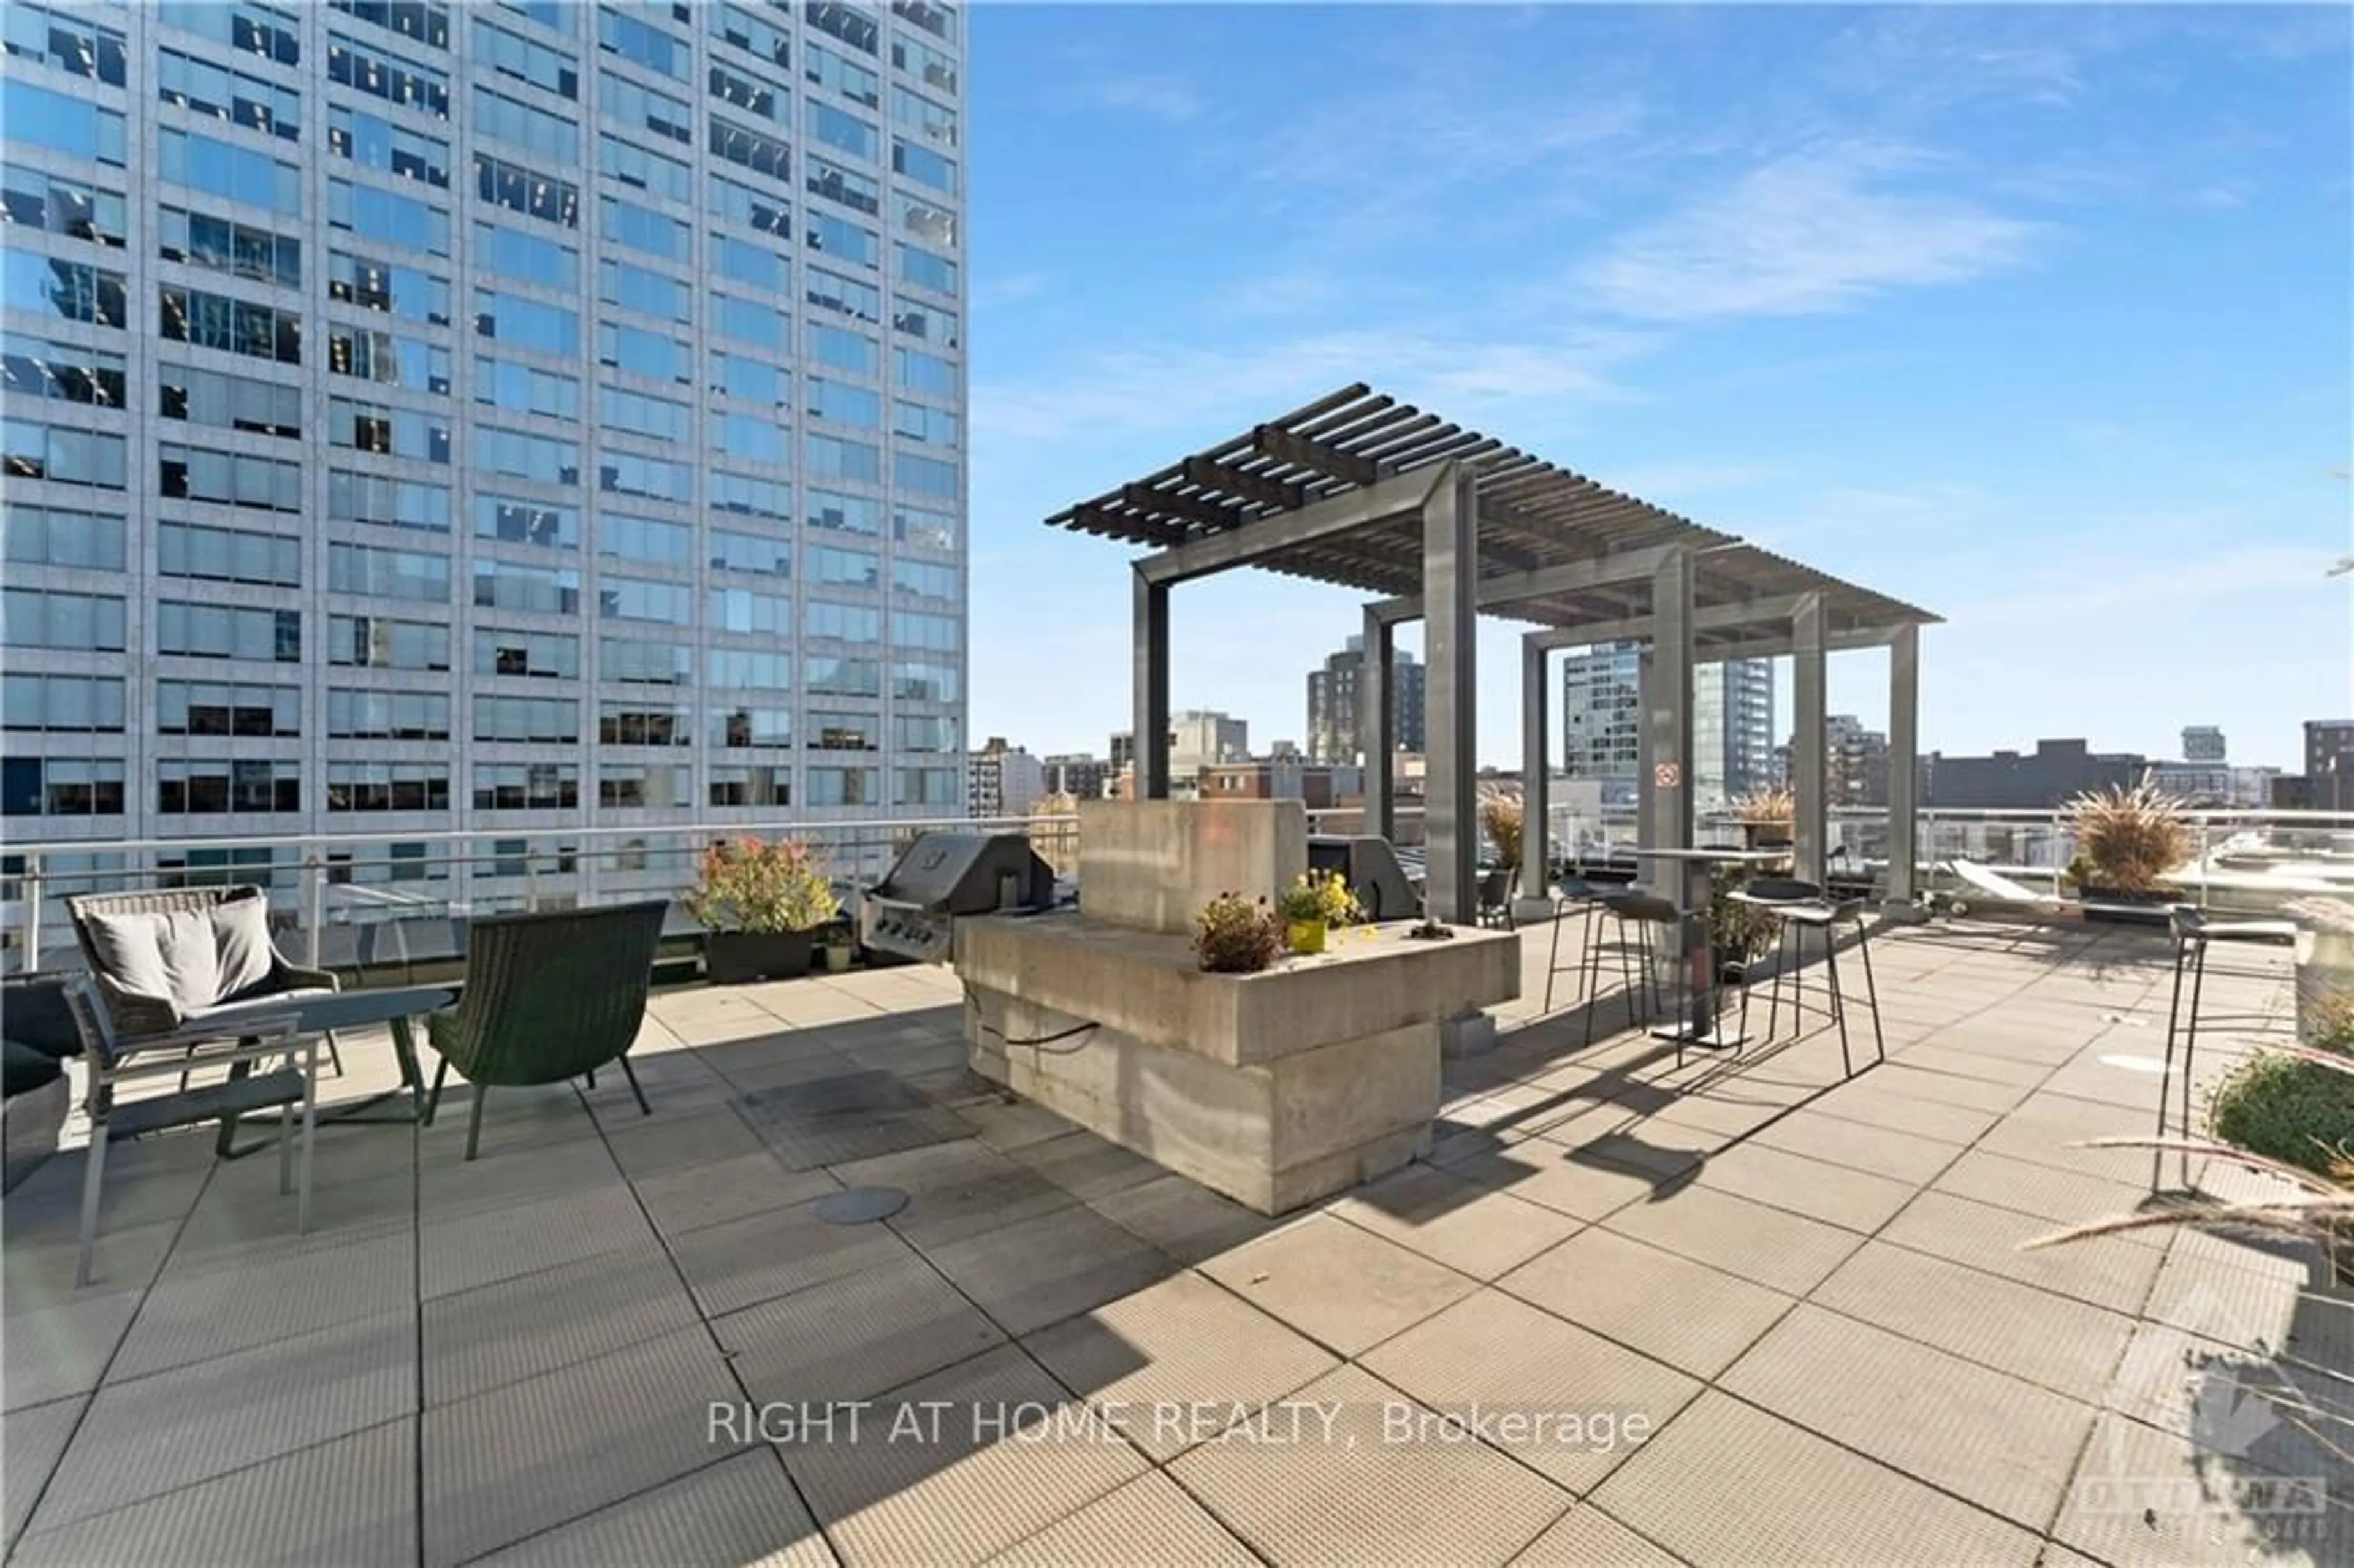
(505, 378)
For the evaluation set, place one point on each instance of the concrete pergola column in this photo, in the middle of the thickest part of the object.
(1904, 762)
(1450, 570)
(1152, 706)
(1376, 726)
(1810, 774)
(1667, 712)
(1536, 770)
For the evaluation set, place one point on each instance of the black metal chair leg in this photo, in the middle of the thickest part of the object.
(335, 1056)
(591, 1077)
(433, 1097)
(474, 1121)
(630, 1073)
(2191, 1050)
(1552, 964)
(2165, 1078)
(1839, 1004)
(1871, 992)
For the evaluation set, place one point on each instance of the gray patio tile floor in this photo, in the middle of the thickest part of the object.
(614, 1337)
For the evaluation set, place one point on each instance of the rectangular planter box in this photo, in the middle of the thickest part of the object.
(738, 957)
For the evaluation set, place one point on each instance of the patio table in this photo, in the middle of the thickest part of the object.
(1699, 886)
(335, 1012)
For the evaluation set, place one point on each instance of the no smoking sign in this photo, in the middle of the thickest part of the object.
(1667, 775)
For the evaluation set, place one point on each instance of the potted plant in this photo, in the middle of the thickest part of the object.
(1501, 816)
(1315, 903)
(2128, 841)
(1233, 936)
(838, 943)
(1766, 818)
(760, 903)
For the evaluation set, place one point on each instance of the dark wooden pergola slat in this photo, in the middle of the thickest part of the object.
(1443, 524)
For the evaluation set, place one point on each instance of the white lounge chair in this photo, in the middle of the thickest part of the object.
(1997, 888)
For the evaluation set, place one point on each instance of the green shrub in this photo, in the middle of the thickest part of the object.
(2296, 1111)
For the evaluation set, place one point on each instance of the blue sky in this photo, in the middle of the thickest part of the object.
(2038, 318)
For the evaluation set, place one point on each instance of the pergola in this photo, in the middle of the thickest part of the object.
(1441, 523)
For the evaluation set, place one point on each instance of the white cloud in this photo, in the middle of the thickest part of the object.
(1807, 233)
(1153, 94)
(1159, 389)
(2105, 585)
(1008, 289)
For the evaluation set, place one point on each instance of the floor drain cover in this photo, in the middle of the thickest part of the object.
(861, 1205)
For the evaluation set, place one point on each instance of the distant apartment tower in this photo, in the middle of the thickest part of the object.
(2329, 749)
(426, 416)
(2203, 742)
(1077, 775)
(1002, 780)
(1857, 761)
(1332, 705)
(1200, 738)
(1733, 723)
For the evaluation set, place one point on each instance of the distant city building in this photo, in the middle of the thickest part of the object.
(2007, 781)
(426, 418)
(2328, 781)
(1002, 780)
(2329, 749)
(2203, 742)
(1077, 775)
(1732, 732)
(1318, 786)
(1123, 751)
(2192, 783)
(2252, 787)
(1199, 738)
(1332, 705)
(1733, 723)
(1855, 763)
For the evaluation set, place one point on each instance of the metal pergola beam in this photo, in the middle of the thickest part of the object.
(1536, 773)
(1306, 451)
(1904, 762)
(1714, 617)
(1150, 741)
(1502, 591)
(1402, 496)
(1376, 726)
(1810, 743)
(1667, 712)
(1450, 569)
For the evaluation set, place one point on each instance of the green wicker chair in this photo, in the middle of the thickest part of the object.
(547, 998)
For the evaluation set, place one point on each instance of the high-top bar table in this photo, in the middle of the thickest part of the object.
(1699, 886)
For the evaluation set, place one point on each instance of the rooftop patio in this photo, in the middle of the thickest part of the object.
(1808, 1290)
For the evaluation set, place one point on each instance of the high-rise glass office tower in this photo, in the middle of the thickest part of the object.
(426, 415)
(1733, 725)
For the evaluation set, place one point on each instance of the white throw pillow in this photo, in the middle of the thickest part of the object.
(244, 957)
(173, 958)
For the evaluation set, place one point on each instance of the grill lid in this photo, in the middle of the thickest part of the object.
(969, 874)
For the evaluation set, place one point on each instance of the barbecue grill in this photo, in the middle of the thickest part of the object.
(912, 912)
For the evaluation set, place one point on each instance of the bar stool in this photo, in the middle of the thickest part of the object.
(1798, 907)
(1571, 893)
(1634, 913)
(2193, 932)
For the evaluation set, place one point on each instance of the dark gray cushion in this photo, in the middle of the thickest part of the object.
(34, 1012)
(23, 1068)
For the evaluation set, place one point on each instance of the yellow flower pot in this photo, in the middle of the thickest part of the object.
(1305, 935)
